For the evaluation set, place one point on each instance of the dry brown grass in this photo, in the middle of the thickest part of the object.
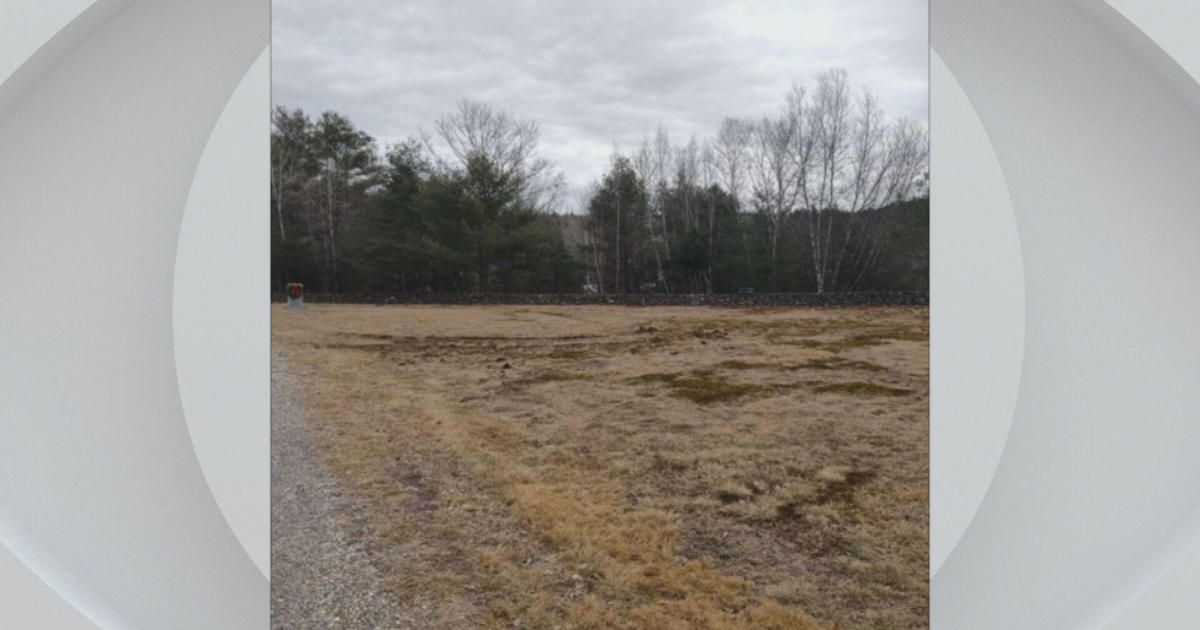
(640, 468)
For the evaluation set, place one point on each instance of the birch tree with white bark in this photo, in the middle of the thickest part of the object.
(849, 158)
(773, 178)
(731, 155)
(290, 160)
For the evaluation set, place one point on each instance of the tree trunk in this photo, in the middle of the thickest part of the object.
(617, 275)
(710, 243)
(662, 277)
(279, 214)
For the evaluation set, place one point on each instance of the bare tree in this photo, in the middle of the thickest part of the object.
(827, 119)
(731, 155)
(709, 176)
(773, 176)
(897, 173)
(868, 166)
(653, 162)
(687, 173)
(476, 131)
(662, 158)
(346, 161)
(851, 159)
(593, 236)
(289, 158)
(497, 154)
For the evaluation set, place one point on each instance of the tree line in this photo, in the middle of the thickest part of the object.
(827, 194)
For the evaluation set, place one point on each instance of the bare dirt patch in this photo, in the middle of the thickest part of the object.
(623, 467)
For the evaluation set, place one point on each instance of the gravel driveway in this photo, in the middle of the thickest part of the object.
(320, 576)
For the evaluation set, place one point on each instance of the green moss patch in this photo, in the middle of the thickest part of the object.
(860, 388)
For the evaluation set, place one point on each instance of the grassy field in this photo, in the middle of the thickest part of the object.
(620, 467)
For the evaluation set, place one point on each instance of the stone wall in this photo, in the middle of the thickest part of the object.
(861, 298)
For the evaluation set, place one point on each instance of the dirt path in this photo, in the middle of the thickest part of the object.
(321, 576)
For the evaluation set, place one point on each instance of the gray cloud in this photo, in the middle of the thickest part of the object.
(595, 74)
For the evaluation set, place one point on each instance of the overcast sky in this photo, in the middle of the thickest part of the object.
(592, 73)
